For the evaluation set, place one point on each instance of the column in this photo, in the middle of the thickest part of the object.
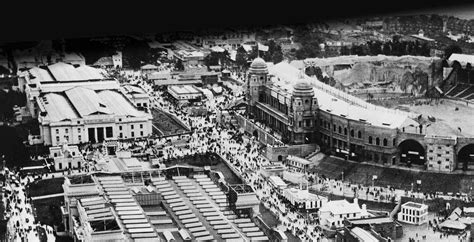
(95, 133)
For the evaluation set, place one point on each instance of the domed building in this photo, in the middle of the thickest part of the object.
(290, 115)
(258, 66)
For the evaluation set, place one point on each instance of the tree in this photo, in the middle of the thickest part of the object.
(241, 57)
(452, 49)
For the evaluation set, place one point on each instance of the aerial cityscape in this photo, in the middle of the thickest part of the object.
(357, 129)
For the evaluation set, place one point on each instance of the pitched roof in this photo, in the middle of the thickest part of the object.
(340, 207)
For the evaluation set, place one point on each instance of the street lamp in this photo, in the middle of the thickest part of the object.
(418, 182)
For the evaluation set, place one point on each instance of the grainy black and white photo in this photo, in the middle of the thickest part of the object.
(341, 130)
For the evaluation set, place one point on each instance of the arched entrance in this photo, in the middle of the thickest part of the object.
(466, 157)
(255, 133)
(280, 158)
(411, 152)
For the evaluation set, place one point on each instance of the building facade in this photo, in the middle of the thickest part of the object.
(78, 105)
(413, 213)
(297, 109)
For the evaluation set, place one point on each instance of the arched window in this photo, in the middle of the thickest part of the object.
(345, 131)
(370, 139)
(334, 127)
(394, 142)
(306, 101)
(385, 142)
(340, 129)
(377, 141)
(352, 133)
(359, 134)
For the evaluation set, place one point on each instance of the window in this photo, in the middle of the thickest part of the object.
(66, 137)
(377, 141)
(120, 120)
(447, 159)
(120, 135)
(78, 130)
(334, 127)
(385, 142)
(308, 123)
(141, 133)
(120, 127)
(306, 101)
(299, 124)
(57, 131)
(439, 155)
(394, 142)
(340, 129)
(109, 132)
(359, 134)
(352, 133)
(447, 152)
(370, 139)
(131, 126)
(345, 131)
(431, 151)
(141, 126)
(57, 138)
(79, 138)
(60, 166)
(133, 134)
(66, 130)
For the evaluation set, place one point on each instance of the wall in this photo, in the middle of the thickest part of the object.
(274, 153)
(440, 153)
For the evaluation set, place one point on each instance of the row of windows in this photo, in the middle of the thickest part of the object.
(431, 158)
(431, 151)
(339, 130)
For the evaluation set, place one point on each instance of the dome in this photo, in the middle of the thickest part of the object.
(258, 66)
(303, 88)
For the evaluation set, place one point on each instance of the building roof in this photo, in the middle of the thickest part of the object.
(40, 74)
(373, 220)
(79, 102)
(133, 89)
(414, 205)
(340, 207)
(58, 107)
(336, 101)
(149, 67)
(451, 224)
(258, 66)
(104, 61)
(184, 89)
(277, 181)
(463, 59)
(217, 49)
(364, 235)
(86, 101)
(118, 104)
(298, 159)
(468, 209)
(302, 195)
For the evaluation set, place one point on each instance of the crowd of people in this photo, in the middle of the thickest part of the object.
(21, 224)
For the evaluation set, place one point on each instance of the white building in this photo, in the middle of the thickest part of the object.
(299, 196)
(413, 213)
(137, 95)
(117, 59)
(77, 105)
(66, 157)
(184, 93)
(333, 213)
(277, 182)
(297, 163)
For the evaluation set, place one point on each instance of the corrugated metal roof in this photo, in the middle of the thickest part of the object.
(58, 108)
(118, 104)
(64, 72)
(40, 74)
(86, 101)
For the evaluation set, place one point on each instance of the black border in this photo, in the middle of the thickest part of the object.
(42, 20)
